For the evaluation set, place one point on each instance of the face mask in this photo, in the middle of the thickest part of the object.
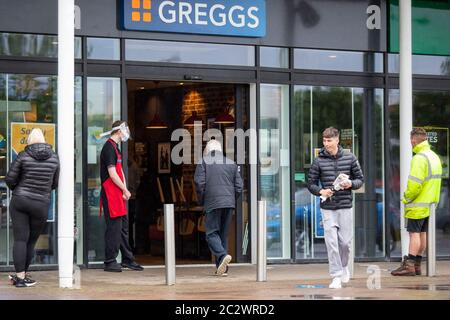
(123, 128)
(125, 133)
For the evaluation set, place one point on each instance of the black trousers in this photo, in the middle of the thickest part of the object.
(116, 236)
(29, 217)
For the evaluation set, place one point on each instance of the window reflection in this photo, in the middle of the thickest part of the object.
(274, 57)
(358, 114)
(338, 60)
(421, 64)
(33, 45)
(430, 110)
(185, 52)
(103, 49)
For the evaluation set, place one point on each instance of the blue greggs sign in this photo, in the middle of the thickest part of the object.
(244, 18)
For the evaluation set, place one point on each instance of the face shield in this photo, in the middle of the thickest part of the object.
(123, 128)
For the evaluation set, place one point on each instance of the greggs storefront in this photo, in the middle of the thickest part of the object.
(283, 69)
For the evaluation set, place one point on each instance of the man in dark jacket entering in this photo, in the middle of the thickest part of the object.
(337, 201)
(218, 183)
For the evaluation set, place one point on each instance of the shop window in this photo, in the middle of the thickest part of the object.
(33, 45)
(427, 65)
(103, 49)
(338, 60)
(186, 52)
(28, 101)
(274, 57)
(431, 111)
(358, 114)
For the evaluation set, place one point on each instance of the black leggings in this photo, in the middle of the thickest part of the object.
(29, 217)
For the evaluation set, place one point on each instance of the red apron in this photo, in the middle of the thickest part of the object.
(116, 204)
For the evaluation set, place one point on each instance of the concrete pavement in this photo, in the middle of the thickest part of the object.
(305, 281)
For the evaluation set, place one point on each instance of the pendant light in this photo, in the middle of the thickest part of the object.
(225, 118)
(190, 122)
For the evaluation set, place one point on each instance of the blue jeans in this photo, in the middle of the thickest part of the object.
(217, 225)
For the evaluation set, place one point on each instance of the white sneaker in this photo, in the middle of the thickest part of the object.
(346, 275)
(221, 269)
(336, 283)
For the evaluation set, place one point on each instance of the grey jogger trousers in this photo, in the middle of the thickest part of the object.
(338, 227)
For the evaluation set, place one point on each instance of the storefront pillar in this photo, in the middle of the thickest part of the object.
(406, 117)
(66, 141)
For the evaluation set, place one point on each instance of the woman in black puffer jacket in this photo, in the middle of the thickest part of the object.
(31, 177)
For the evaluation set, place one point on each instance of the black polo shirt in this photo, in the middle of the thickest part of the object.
(108, 158)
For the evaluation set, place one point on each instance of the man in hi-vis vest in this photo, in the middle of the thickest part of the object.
(423, 190)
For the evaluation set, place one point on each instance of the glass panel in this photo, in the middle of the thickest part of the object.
(338, 60)
(433, 65)
(368, 146)
(431, 110)
(4, 218)
(103, 108)
(274, 163)
(358, 114)
(33, 45)
(185, 52)
(32, 100)
(78, 171)
(274, 57)
(78, 48)
(103, 49)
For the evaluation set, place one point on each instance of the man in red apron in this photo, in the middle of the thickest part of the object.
(113, 199)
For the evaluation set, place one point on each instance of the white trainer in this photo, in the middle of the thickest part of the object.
(346, 275)
(336, 283)
(222, 268)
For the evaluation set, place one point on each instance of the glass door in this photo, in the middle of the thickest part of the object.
(358, 114)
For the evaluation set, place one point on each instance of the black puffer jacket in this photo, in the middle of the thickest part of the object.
(326, 168)
(35, 172)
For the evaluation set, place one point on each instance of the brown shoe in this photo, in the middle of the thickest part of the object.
(417, 265)
(406, 269)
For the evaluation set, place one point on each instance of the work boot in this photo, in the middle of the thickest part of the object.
(406, 268)
(417, 267)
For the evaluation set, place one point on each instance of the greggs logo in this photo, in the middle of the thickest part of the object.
(246, 18)
(141, 13)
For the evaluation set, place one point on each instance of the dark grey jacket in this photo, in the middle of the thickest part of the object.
(218, 182)
(35, 172)
(326, 168)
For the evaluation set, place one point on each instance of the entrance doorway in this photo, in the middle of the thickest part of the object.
(155, 110)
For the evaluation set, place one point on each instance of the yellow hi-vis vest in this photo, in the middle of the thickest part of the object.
(424, 182)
